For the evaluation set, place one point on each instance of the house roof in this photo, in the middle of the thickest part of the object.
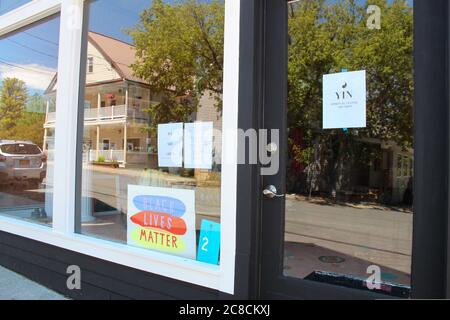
(121, 55)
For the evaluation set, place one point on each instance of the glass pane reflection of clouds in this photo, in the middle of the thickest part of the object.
(9, 5)
(28, 66)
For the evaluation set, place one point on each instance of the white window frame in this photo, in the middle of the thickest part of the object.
(63, 234)
(90, 65)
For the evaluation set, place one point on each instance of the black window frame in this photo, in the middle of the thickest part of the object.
(431, 238)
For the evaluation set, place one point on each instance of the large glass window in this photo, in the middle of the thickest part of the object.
(8, 5)
(349, 213)
(151, 173)
(28, 66)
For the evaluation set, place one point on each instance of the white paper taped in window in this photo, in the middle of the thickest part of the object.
(198, 145)
(344, 100)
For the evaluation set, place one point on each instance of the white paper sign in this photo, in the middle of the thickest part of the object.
(344, 100)
(170, 145)
(198, 145)
(162, 219)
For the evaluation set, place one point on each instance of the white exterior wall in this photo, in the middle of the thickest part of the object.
(103, 71)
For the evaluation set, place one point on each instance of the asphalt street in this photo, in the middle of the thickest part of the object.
(341, 238)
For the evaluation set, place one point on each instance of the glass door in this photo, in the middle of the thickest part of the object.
(338, 216)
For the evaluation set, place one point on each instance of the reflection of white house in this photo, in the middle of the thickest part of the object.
(394, 170)
(402, 171)
(115, 103)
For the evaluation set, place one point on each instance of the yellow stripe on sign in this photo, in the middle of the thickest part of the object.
(156, 239)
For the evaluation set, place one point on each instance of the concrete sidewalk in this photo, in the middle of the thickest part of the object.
(16, 287)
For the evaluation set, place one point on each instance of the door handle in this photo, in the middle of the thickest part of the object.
(271, 192)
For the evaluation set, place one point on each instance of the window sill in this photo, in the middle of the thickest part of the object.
(166, 265)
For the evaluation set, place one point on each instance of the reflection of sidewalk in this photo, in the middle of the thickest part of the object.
(109, 185)
(16, 287)
(302, 259)
(362, 236)
(362, 205)
(8, 200)
(137, 173)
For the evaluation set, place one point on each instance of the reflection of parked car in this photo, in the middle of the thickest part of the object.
(22, 161)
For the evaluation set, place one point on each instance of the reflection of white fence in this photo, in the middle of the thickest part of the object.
(108, 113)
(108, 155)
(111, 112)
(90, 114)
(51, 117)
(50, 155)
(86, 200)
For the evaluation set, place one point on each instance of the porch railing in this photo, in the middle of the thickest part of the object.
(108, 113)
(51, 117)
(107, 155)
(111, 112)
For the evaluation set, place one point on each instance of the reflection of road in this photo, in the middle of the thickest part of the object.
(14, 199)
(23, 203)
(110, 186)
(363, 236)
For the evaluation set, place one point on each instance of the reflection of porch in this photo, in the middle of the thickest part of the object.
(107, 155)
(107, 113)
(121, 143)
(134, 158)
(111, 102)
(113, 150)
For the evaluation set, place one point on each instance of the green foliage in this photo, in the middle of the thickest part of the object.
(29, 127)
(36, 103)
(13, 96)
(325, 38)
(101, 159)
(21, 117)
(179, 48)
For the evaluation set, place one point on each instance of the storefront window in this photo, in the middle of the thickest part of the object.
(151, 173)
(28, 66)
(8, 5)
(349, 210)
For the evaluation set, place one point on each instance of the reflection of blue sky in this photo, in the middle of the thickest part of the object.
(367, 2)
(8, 5)
(113, 17)
(31, 55)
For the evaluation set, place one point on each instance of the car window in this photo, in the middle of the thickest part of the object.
(20, 149)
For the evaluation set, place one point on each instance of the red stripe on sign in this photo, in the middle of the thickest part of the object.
(162, 221)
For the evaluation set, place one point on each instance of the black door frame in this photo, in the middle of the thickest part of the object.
(263, 58)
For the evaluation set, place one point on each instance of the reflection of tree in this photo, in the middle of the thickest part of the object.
(13, 96)
(36, 103)
(180, 53)
(16, 123)
(325, 38)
